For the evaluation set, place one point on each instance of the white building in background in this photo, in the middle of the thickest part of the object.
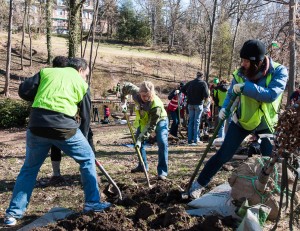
(59, 16)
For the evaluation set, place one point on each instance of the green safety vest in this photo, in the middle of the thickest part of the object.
(142, 119)
(60, 90)
(220, 95)
(252, 111)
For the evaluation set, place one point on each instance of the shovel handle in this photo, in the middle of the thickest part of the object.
(228, 110)
(137, 150)
(102, 169)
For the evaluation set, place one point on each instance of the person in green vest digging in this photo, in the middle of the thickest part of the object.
(260, 82)
(151, 119)
(57, 95)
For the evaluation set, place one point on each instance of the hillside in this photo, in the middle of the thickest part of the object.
(114, 63)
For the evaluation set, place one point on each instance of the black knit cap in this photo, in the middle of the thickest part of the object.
(253, 50)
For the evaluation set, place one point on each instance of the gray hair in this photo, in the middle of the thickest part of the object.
(148, 87)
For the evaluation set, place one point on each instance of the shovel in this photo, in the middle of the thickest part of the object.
(230, 107)
(100, 166)
(137, 150)
(110, 180)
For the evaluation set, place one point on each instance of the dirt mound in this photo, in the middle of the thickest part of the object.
(158, 208)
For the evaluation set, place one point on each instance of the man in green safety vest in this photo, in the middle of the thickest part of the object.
(57, 94)
(260, 82)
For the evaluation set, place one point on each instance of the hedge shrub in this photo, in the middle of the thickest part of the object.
(14, 113)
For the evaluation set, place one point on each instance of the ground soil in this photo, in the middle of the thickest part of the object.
(142, 208)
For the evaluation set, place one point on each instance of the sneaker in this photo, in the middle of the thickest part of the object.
(9, 220)
(192, 144)
(161, 177)
(55, 180)
(137, 169)
(199, 142)
(195, 190)
(96, 207)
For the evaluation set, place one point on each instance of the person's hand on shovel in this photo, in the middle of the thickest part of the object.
(124, 107)
(238, 88)
(223, 114)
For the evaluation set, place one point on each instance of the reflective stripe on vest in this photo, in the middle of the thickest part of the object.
(60, 90)
(142, 119)
(252, 111)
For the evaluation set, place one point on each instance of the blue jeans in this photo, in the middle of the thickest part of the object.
(162, 142)
(195, 112)
(37, 149)
(175, 123)
(234, 137)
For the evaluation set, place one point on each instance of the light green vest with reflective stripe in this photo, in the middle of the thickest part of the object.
(60, 90)
(252, 111)
(142, 119)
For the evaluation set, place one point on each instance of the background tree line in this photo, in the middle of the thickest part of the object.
(212, 30)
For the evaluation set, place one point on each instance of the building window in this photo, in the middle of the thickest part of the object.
(60, 2)
(87, 3)
(59, 12)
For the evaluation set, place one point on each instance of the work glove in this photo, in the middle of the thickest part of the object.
(238, 88)
(176, 92)
(124, 107)
(222, 114)
(138, 144)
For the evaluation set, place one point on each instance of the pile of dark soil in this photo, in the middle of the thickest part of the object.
(158, 208)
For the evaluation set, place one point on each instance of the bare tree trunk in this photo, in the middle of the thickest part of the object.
(8, 57)
(49, 30)
(23, 34)
(81, 33)
(211, 33)
(292, 48)
(205, 52)
(98, 44)
(81, 41)
(39, 29)
(29, 33)
(87, 39)
(95, 17)
(74, 23)
(234, 38)
(153, 23)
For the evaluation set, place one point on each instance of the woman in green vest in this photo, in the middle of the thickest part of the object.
(151, 119)
(260, 82)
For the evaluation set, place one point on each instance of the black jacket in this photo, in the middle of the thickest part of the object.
(196, 91)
